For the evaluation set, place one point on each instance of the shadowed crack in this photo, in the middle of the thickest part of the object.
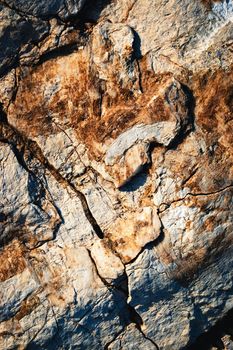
(19, 12)
(131, 313)
(143, 334)
(22, 144)
(200, 194)
(59, 343)
(30, 344)
(193, 172)
(65, 49)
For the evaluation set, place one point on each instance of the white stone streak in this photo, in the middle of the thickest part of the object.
(161, 133)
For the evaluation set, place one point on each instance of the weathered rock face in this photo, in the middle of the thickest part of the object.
(116, 171)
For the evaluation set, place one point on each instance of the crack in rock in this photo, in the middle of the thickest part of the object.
(165, 206)
(10, 135)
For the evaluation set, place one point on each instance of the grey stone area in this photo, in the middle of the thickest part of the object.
(15, 32)
(46, 9)
(116, 177)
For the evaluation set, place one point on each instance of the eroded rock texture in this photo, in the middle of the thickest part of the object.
(116, 171)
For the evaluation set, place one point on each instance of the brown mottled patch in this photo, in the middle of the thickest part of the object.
(214, 93)
(12, 260)
(122, 111)
(188, 225)
(147, 198)
(208, 3)
(57, 299)
(187, 268)
(206, 157)
(70, 90)
(158, 108)
(129, 234)
(209, 223)
(27, 306)
(141, 224)
(201, 258)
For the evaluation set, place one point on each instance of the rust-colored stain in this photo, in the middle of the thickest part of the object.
(214, 100)
(12, 260)
(208, 3)
(187, 267)
(27, 306)
(70, 91)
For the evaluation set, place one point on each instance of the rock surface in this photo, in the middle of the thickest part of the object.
(116, 173)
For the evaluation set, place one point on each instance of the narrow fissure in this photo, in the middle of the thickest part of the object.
(143, 334)
(167, 205)
(108, 285)
(134, 316)
(13, 137)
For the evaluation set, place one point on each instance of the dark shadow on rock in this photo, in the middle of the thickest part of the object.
(32, 32)
(57, 52)
(3, 116)
(139, 178)
(92, 10)
(89, 15)
(137, 45)
(16, 35)
(35, 190)
(33, 346)
(197, 322)
(213, 337)
(189, 126)
(135, 181)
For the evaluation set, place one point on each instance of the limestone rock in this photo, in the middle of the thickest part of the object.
(46, 9)
(15, 32)
(129, 234)
(129, 153)
(116, 174)
(129, 338)
(29, 212)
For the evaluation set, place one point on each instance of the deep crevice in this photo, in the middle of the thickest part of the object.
(133, 315)
(167, 205)
(213, 336)
(147, 338)
(13, 137)
(106, 347)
